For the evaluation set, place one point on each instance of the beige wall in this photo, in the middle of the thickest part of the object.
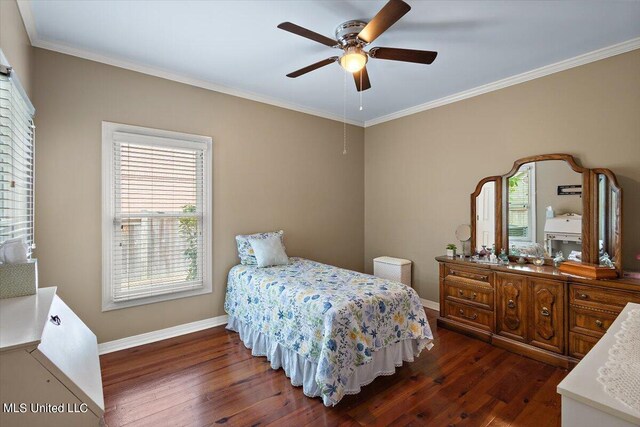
(420, 169)
(15, 44)
(272, 169)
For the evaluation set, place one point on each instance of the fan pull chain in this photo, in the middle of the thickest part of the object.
(344, 114)
(361, 72)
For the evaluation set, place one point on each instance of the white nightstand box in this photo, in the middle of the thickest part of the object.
(396, 269)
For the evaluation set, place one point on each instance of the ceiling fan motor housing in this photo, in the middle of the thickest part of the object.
(347, 33)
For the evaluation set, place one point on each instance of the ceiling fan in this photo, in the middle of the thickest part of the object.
(353, 36)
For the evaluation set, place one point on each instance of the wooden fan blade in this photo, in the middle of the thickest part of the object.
(406, 55)
(366, 84)
(312, 67)
(301, 31)
(388, 15)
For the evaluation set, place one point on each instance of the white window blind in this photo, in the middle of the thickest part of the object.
(159, 241)
(16, 161)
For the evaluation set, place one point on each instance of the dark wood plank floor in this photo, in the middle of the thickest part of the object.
(210, 378)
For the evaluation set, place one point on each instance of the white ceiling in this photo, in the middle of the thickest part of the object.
(235, 45)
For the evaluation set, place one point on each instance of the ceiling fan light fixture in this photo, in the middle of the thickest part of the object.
(354, 59)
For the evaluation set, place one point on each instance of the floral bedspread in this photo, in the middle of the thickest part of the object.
(334, 317)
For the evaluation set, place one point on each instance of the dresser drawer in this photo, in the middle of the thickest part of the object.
(590, 322)
(479, 296)
(469, 275)
(477, 317)
(601, 298)
(579, 345)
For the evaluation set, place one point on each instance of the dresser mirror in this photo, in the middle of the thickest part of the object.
(608, 214)
(484, 209)
(549, 204)
(544, 209)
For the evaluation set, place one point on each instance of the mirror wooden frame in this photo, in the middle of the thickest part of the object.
(590, 249)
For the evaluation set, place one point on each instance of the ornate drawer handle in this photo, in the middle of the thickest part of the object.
(511, 304)
(545, 311)
(473, 295)
(474, 317)
(599, 323)
(583, 296)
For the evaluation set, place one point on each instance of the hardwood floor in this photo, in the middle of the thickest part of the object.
(210, 378)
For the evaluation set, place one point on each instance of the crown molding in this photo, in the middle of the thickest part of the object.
(24, 6)
(27, 16)
(596, 55)
(180, 78)
(566, 64)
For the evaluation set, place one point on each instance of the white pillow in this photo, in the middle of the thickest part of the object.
(269, 251)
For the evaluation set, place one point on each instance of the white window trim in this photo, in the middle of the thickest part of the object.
(109, 133)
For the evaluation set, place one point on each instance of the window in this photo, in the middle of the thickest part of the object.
(16, 160)
(522, 216)
(156, 215)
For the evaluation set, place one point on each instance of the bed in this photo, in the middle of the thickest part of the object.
(331, 330)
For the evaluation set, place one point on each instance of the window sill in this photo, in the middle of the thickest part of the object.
(111, 305)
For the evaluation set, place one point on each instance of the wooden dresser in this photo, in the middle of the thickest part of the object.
(535, 311)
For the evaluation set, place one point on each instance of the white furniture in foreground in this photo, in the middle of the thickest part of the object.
(396, 269)
(584, 400)
(48, 362)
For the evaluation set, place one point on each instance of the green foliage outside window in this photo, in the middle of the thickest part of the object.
(188, 229)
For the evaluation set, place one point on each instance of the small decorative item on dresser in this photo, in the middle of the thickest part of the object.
(538, 261)
(463, 234)
(605, 261)
(483, 252)
(451, 250)
(503, 257)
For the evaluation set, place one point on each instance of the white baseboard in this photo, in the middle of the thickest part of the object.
(159, 335)
(430, 304)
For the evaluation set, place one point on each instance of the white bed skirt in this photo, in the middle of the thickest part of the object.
(302, 372)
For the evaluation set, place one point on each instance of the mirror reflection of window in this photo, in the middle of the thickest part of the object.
(522, 210)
